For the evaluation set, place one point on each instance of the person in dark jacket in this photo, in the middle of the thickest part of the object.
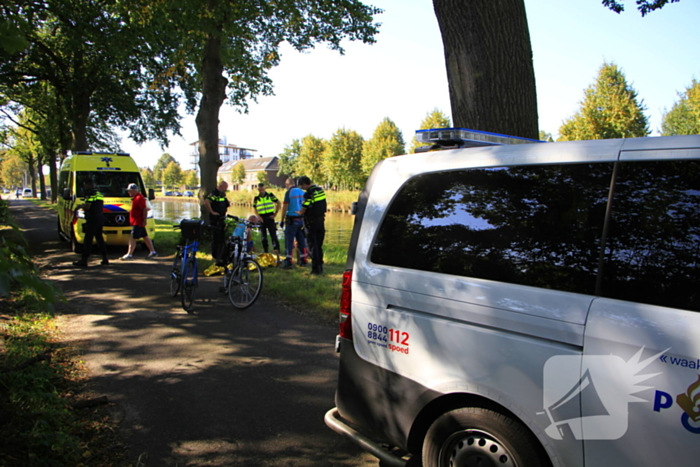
(93, 203)
(314, 211)
(217, 205)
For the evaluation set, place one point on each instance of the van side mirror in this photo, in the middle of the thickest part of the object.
(66, 194)
(151, 194)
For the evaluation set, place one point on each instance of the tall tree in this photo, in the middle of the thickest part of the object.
(13, 170)
(386, 141)
(172, 175)
(684, 116)
(101, 60)
(191, 178)
(310, 160)
(288, 159)
(434, 119)
(489, 65)
(238, 173)
(233, 45)
(342, 159)
(161, 164)
(609, 109)
(488, 57)
(148, 179)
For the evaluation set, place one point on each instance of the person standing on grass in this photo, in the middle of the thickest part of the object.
(314, 211)
(266, 206)
(138, 217)
(293, 223)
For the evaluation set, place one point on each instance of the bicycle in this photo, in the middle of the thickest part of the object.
(184, 271)
(243, 277)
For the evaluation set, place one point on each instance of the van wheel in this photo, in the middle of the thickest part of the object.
(476, 436)
(74, 245)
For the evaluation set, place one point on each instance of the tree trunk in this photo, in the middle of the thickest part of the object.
(489, 65)
(80, 112)
(207, 120)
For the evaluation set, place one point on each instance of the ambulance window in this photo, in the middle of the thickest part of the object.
(532, 225)
(652, 252)
(63, 182)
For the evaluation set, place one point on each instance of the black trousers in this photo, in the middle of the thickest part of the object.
(217, 235)
(315, 234)
(93, 230)
(269, 225)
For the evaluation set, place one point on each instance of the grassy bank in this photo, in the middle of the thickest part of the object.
(42, 381)
(297, 288)
(338, 200)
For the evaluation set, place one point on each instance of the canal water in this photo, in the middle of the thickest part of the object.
(338, 225)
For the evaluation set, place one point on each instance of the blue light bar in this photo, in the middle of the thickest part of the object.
(465, 138)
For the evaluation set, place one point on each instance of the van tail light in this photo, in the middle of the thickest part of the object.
(345, 311)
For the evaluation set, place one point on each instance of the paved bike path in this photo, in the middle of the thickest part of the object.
(220, 387)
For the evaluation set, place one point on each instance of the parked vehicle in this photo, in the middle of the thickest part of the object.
(27, 193)
(188, 193)
(525, 305)
(112, 173)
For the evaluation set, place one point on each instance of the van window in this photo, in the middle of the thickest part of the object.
(653, 249)
(112, 184)
(533, 225)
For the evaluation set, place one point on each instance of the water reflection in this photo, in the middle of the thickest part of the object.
(338, 225)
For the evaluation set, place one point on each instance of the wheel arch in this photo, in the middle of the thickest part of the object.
(447, 402)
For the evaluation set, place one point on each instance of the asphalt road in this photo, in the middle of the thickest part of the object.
(219, 387)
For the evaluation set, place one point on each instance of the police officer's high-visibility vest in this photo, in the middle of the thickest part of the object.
(265, 204)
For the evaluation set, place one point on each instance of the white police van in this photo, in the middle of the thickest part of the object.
(525, 305)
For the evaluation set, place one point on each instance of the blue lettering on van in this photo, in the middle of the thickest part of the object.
(682, 362)
(689, 402)
(108, 168)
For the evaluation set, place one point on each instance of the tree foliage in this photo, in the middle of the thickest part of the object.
(684, 116)
(288, 159)
(386, 141)
(161, 164)
(228, 49)
(238, 173)
(191, 178)
(610, 109)
(644, 6)
(310, 161)
(149, 180)
(342, 159)
(434, 119)
(172, 175)
(103, 62)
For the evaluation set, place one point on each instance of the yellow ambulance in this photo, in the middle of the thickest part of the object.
(112, 173)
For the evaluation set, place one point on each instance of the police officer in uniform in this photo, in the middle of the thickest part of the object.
(267, 206)
(217, 204)
(93, 203)
(314, 211)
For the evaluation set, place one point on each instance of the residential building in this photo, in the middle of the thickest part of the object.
(270, 165)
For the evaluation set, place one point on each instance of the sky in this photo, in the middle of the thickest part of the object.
(402, 76)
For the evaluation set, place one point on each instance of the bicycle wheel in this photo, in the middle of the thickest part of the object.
(189, 283)
(245, 284)
(175, 274)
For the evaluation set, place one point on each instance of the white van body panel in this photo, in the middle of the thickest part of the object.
(655, 419)
(453, 334)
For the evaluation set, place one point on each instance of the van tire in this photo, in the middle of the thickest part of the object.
(478, 436)
(74, 245)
